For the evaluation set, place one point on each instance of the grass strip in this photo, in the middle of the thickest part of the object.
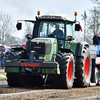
(3, 76)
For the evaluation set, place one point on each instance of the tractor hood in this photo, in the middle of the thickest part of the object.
(41, 46)
(44, 46)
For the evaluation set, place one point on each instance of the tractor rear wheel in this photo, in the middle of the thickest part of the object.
(15, 80)
(67, 69)
(83, 69)
(18, 80)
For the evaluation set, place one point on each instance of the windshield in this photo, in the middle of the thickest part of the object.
(51, 29)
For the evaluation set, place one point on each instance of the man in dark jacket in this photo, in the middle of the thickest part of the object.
(58, 33)
(2, 58)
(96, 39)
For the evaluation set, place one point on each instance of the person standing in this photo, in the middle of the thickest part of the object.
(96, 39)
(2, 59)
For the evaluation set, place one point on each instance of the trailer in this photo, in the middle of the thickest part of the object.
(95, 56)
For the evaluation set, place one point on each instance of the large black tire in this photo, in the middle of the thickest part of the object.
(67, 69)
(83, 69)
(18, 80)
(15, 80)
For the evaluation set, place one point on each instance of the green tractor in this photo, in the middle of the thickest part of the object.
(51, 56)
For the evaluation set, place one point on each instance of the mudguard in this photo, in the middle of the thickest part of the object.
(79, 48)
(76, 48)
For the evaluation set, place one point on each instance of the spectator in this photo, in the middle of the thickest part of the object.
(2, 58)
(96, 39)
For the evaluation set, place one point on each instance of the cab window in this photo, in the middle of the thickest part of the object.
(47, 29)
(69, 30)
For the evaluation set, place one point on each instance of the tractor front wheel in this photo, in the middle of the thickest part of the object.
(15, 80)
(67, 68)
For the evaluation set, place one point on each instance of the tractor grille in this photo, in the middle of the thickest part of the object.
(41, 46)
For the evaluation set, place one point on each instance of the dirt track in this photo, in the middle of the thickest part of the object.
(49, 93)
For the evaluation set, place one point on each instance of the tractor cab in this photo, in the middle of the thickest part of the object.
(57, 27)
(52, 29)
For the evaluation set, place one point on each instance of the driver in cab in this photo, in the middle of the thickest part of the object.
(57, 32)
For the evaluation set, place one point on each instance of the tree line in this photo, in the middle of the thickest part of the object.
(93, 22)
(7, 29)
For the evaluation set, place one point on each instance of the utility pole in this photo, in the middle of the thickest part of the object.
(84, 18)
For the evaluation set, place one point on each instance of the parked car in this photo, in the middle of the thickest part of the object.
(16, 46)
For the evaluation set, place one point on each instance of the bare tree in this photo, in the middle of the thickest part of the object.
(6, 30)
(93, 24)
(4, 26)
(12, 40)
(96, 2)
(94, 20)
(28, 30)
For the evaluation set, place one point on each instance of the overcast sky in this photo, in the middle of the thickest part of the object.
(27, 9)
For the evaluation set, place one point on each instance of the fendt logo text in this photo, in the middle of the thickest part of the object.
(30, 64)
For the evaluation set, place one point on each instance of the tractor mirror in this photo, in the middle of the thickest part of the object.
(19, 26)
(28, 36)
(78, 27)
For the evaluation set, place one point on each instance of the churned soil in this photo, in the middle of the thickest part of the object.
(47, 93)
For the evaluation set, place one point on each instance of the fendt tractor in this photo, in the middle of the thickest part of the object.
(51, 56)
